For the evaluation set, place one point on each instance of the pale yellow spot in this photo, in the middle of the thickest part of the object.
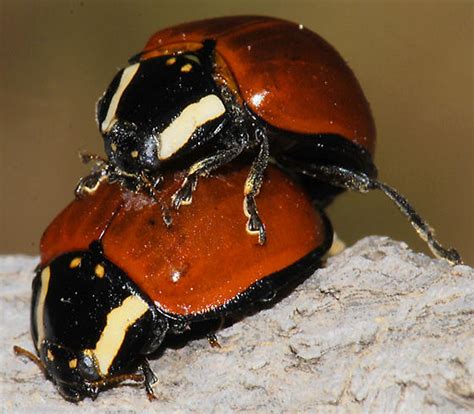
(118, 322)
(99, 271)
(186, 68)
(171, 61)
(113, 146)
(134, 154)
(73, 363)
(75, 262)
(50, 355)
(45, 276)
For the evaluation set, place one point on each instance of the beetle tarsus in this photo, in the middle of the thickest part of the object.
(149, 379)
(184, 196)
(254, 223)
(424, 230)
(213, 341)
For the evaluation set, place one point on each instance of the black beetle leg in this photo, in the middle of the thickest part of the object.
(213, 341)
(184, 196)
(205, 166)
(149, 379)
(252, 188)
(100, 172)
(351, 180)
(212, 338)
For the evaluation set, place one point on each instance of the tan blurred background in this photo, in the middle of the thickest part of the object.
(414, 60)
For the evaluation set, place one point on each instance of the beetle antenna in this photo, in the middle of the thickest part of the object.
(87, 157)
(32, 357)
(351, 180)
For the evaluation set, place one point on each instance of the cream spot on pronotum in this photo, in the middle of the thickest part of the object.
(134, 154)
(171, 61)
(177, 134)
(99, 271)
(73, 363)
(75, 262)
(113, 146)
(50, 355)
(186, 68)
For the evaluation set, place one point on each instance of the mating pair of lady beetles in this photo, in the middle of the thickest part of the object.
(220, 99)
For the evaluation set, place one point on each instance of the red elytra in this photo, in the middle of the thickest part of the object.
(206, 258)
(287, 75)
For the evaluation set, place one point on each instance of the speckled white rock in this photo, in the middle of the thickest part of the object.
(379, 329)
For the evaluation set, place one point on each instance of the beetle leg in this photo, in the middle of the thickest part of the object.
(252, 188)
(350, 180)
(213, 341)
(149, 379)
(184, 195)
(100, 172)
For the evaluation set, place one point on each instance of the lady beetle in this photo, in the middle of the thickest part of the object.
(114, 280)
(200, 94)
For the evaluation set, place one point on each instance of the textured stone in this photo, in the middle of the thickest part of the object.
(378, 329)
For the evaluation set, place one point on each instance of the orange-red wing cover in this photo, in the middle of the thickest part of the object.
(288, 75)
(206, 257)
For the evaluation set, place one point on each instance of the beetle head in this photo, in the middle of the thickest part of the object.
(92, 331)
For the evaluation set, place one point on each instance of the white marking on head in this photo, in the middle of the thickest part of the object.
(125, 80)
(118, 322)
(177, 134)
(45, 276)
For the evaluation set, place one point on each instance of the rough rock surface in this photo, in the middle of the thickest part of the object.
(378, 329)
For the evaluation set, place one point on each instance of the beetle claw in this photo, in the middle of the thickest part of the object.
(254, 223)
(184, 196)
(256, 226)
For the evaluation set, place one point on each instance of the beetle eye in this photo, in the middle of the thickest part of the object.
(87, 368)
